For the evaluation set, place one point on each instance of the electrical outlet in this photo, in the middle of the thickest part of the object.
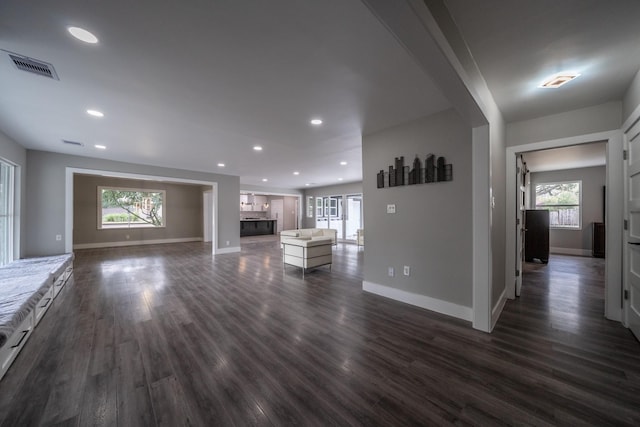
(391, 272)
(227, 243)
(126, 237)
(407, 270)
(58, 237)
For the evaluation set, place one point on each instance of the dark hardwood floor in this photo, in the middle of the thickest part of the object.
(169, 335)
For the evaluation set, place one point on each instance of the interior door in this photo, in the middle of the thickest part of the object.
(631, 295)
(521, 173)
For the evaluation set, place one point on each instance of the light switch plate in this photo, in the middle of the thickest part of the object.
(391, 209)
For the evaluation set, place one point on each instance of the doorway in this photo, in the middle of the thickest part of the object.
(613, 218)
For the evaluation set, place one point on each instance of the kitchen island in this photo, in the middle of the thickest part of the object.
(257, 226)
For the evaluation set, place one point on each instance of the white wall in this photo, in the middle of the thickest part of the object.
(431, 230)
(583, 121)
(631, 100)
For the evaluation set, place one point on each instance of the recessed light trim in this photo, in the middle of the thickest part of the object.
(343, 163)
(95, 113)
(82, 35)
(264, 180)
(221, 165)
(339, 179)
(558, 79)
(257, 148)
(100, 147)
(316, 122)
(296, 173)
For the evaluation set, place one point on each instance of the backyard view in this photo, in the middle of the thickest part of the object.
(562, 200)
(131, 208)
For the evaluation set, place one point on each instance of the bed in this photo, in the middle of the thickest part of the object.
(27, 289)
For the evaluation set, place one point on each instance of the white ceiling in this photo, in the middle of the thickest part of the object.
(573, 157)
(518, 43)
(187, 85)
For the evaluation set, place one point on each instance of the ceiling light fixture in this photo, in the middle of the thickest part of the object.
(558, 80)
(343, 163)
(307, 184)
(339, 179)
(264, 180)
(220, 165)
(257, 148)
(95, 113)
(296, 173)
(316, 122)
(83, 35)
(100, 147)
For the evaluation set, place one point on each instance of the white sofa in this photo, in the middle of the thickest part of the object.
(307, 252)
(313, 233)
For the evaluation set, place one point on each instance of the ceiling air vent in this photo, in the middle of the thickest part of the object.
(78, 144)
(34, 66)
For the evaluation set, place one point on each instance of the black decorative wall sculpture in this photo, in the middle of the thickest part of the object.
(435, 170)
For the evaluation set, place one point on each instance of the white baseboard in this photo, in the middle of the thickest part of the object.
(497, 309)
(229, 250)
(135, 243)
(423, 301)
(570, 251)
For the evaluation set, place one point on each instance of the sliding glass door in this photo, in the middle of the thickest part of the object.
(342, 213)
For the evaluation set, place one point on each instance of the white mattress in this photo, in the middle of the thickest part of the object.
(22, 284)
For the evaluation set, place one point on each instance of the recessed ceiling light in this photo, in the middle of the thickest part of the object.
(339, 179)
(257, 148)
(100, 147)
(296, 173)
(220, 165)
(316, 122)
(95, 113)
(264, 180)
(343, 163)
(558, 80)
(307, 184)
(82, 34)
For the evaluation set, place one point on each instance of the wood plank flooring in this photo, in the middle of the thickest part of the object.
(169, 335)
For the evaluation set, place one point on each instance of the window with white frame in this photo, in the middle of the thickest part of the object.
(563, 200)
(130, 208)
(7, 172)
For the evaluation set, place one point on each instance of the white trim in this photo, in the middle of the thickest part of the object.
(497, 309)
(135, 243)
(570, 251)
(228, 250)
(613, 273)
(70, 171)
(422, 301)
(481, 208)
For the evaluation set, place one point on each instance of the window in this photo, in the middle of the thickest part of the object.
(562, 200)
(6, 212)
(310, 207)
(130, 208)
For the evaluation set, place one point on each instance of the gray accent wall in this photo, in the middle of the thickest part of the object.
(593, 179)
(17, 154)
(431, 230)
(182, 209)
(46, 177)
